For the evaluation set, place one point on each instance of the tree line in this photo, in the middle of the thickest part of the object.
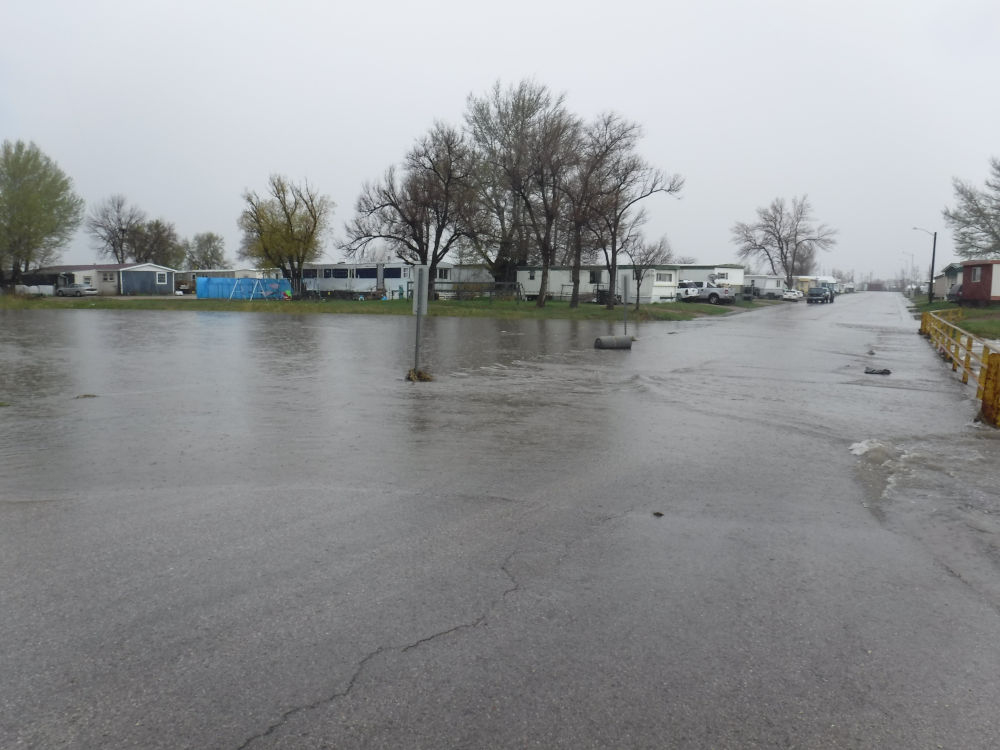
(125, 235)
(522, 181)
(40, 212)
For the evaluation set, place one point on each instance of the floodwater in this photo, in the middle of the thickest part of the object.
(248, 530)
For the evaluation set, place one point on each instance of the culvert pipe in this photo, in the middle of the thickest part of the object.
(613, 342)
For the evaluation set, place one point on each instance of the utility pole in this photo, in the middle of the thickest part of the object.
(930, 284)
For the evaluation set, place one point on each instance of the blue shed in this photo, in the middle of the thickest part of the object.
(147, 278)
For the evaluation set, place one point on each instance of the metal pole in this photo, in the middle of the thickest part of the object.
(419, 309)
(416, 349)
(930, 286)
(625, 302)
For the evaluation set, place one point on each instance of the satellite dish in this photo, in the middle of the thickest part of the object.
(712, 277)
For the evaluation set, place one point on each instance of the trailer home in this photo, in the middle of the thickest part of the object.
(980, 282)
(764, 287)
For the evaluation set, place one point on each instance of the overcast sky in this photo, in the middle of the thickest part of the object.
(870, 107)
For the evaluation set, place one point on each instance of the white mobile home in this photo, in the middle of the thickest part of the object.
(726, 274)
(765, 287)
(659, 284)
(393, 280)
(560, 286)
(357, 278)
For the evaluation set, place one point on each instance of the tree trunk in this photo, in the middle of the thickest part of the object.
(577, 260)
(543, 288)
(614, 274)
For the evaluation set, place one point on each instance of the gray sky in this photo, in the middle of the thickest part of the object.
(870, 107)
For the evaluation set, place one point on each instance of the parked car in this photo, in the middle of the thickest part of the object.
(955, 293)
(76, 290)
(791, 294)
(704, 291)
(818, 294)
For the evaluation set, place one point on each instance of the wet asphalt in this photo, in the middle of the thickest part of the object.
(229, 531)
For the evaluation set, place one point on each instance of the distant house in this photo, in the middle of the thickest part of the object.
(950, 275)
(115, 278)
(763, 285)
(981, 281)
(659, 282)
(560, 281)
(803, 283)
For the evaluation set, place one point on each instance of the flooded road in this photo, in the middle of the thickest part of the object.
(248, 531)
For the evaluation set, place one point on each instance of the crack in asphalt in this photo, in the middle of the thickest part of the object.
(283, 719)
(292, 712)
(514, 586)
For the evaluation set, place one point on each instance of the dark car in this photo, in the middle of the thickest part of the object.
(955, 293)
(818, 294)
(76, 290)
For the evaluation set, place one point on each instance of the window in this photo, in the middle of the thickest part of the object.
(977, 273)
(308, 273)
(664, 277)
(107, 276)
(392, 273)
(531, 275)
(327, 273)
(722, 275)
(88, 280)
(338, 273)
(443, 273)
(161, 277)
(406, 272)
(595, 277)
(367, 273)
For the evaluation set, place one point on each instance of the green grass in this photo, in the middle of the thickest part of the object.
(985, 326)
(980, 321)
(477, 308)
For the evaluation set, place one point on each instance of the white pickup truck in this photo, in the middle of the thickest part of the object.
(704, 291)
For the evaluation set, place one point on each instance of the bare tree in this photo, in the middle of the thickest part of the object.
(422, 215)
(601, 141)
(284, 229)
(498, 125)
(113, 224)
(527, 143)
(553, 141)
(628, 180)
(975, 220)
(645, 256)
(205, 251)
(156, 242)
(784, 237)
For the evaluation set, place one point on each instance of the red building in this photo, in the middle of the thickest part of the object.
(980, 282)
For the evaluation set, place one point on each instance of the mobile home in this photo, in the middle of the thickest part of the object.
(980, 282)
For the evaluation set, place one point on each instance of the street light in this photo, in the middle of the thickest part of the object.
(930, 285)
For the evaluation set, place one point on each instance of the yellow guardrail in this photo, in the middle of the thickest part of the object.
(968, 353)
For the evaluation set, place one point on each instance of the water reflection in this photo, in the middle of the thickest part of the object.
(204, 396)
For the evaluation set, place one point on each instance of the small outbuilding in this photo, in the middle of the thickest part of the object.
(146, 279)
(980, 282)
